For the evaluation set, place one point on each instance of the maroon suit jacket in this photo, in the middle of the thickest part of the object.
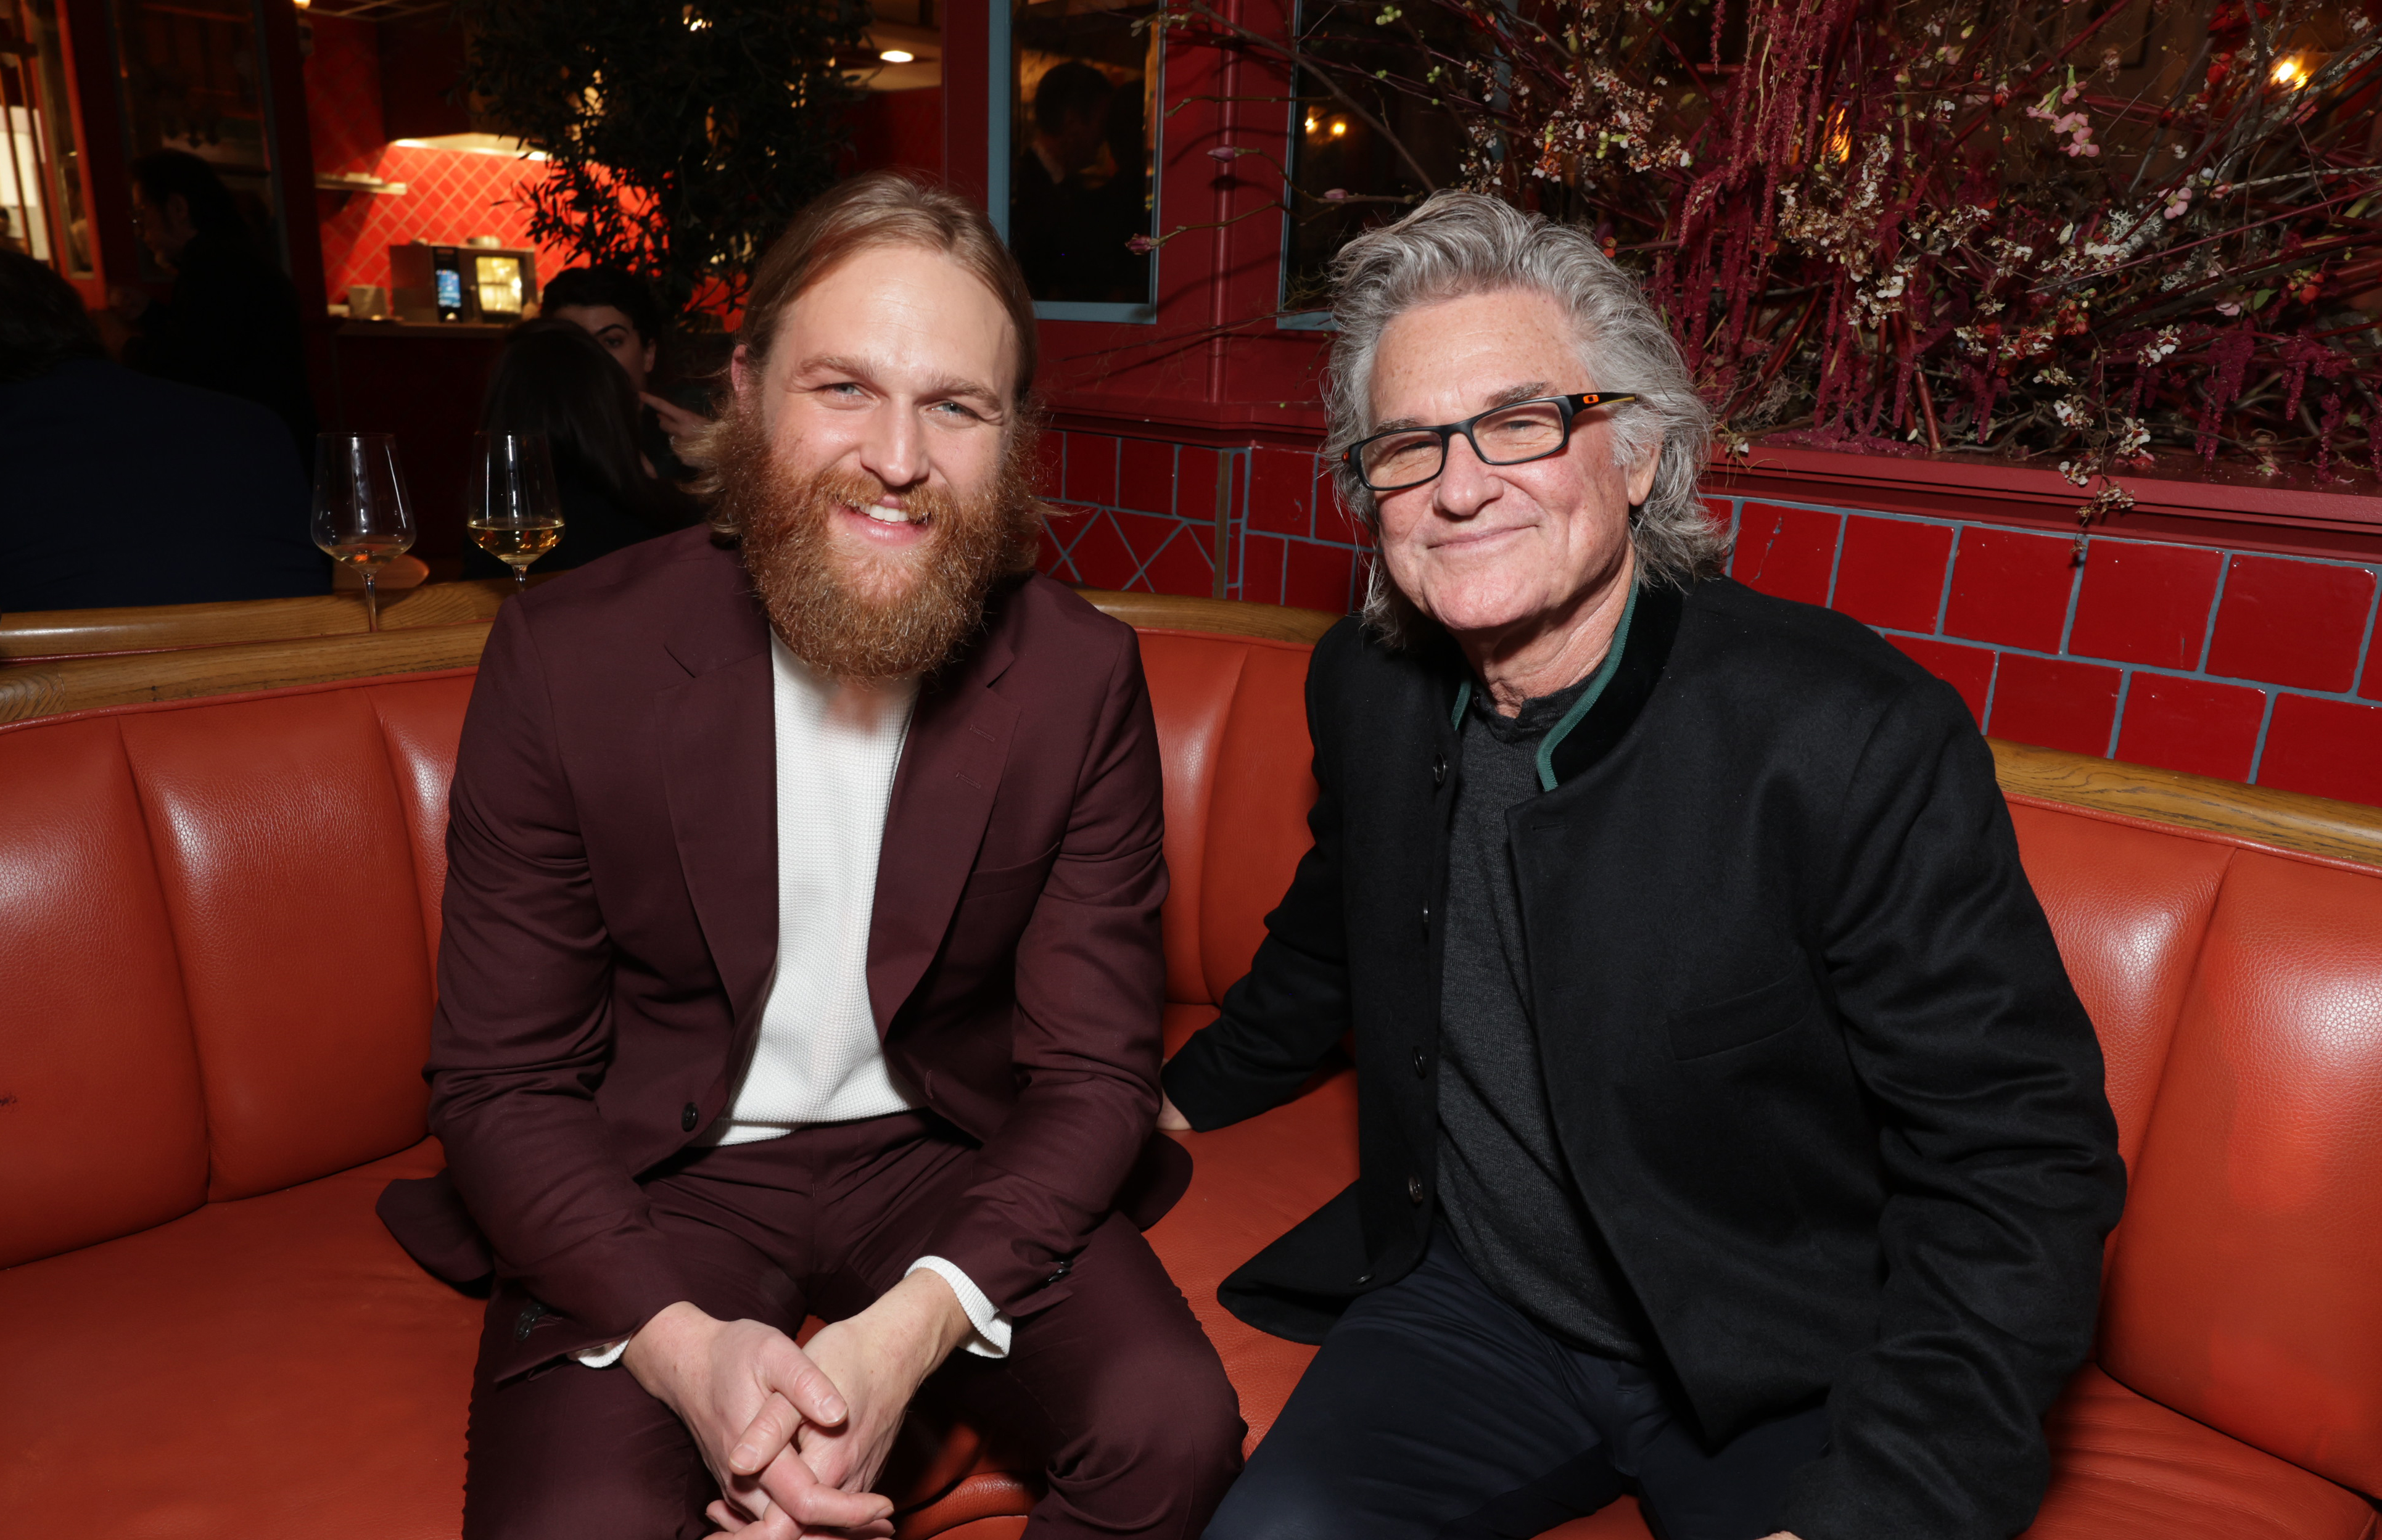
(611, 924)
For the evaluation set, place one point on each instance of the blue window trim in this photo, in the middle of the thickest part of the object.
(999, 153)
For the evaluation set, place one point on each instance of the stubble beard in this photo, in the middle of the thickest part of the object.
(883, 615)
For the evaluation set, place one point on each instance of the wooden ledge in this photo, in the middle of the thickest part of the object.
(31, 690)
(2286, 820)
(1167, 612)
(33, 636)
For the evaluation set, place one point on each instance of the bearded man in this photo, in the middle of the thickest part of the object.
(802, 958)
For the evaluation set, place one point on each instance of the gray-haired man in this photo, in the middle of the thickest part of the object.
(1730, 1130)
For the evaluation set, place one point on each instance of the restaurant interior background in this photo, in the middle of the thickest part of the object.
(2223, 624)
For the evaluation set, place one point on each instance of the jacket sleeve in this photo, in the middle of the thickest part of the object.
(1280, 1019)
(1999, 1149)
(1090, 984)
(523, 1030)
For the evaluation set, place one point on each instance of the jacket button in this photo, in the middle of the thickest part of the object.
(1364, 1278)
(1426, 920)
(1422, 1066)
(528, 1319)
(1438, 770)
(1066, 1265)
(687, 1118)
(1414, 1191)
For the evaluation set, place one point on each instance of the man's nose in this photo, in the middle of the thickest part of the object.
(1464, 482)
(894, 448)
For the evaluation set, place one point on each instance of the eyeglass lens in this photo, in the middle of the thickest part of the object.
(1531, 430)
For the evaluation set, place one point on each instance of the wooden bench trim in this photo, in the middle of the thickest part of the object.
(28, 691)
(2290, 821)
(33, 636)
(2260, 815)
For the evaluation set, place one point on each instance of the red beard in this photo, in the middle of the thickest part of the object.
(879, 616)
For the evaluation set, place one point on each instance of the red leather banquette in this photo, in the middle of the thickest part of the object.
(218, 918)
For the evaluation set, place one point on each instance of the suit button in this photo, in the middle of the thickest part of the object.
(1422, 1066)
(1364, 1278)
(1414, 1191)
(1426, 920)
(688, 1118)
(1438, 770)
(529, 1317)
(1066, 1265)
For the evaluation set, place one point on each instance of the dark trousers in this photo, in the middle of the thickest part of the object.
(1115, 1390)
(1435, 1411)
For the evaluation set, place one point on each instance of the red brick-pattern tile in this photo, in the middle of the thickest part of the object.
(2327, 748)
(1091, 469)
(2291, 622)
(1043, 469)
(1969, 670)
(2191, 724)
(2009, 588)
(1262, 563)
(2372, 688)
(1319, 577)
(1182, 564)
(1788, 552)
(1052, 560)
(1146, 478)
(1147, 534)
(2054, 704)
(1103, 559)
(2144, 603)
(1282, 491)
(1892, 572)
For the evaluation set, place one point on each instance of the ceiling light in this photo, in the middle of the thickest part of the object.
(897, 56)
(1339, 127)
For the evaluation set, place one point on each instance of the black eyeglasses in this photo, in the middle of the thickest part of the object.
(1512, 434)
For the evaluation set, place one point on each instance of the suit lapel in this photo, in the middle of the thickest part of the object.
(952, 765)
(719, 759)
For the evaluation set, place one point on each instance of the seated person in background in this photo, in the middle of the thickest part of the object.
(231, 323)
(618, 312)
(1730, 1130)
(126, 489)
(801, 956)
(552, 378)
(1069, 234)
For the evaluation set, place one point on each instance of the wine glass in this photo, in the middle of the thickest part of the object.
(509, 505)
(362, 514)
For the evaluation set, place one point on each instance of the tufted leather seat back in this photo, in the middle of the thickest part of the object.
(216, 919)
(1232, 727)
(2238, 995)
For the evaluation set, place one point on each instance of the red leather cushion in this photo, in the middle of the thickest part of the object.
(289, 875)
(1249, 1183)
(274, 1369)
(2243, 1290)
(2129, 906)
(1192, 679)
(2123, 1468)
(1257, 817)
(102, 1129)
(421, 721)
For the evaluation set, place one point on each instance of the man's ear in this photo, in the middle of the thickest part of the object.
(1642, 476)
(742, 371)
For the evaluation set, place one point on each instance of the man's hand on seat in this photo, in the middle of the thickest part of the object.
(1168, 1118)
(742, 1389)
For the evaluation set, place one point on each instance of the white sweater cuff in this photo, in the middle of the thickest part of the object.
(603, 1355)
(991, 1327)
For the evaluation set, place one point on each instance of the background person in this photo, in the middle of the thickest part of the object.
(553, 378)
(127, 490)
(1068, 227)
(231, 323)
(620, 312)
(1731, 1132)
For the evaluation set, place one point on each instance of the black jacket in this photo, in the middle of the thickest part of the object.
(1812, 1057)
(231, 324)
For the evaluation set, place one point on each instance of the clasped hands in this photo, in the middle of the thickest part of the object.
(794, 1437)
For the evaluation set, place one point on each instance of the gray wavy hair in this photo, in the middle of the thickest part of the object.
(1462, 243)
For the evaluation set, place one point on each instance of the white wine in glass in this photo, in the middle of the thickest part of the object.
(509, 505)
(362, 515)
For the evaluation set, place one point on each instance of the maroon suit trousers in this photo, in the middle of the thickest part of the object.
(1114, 1390)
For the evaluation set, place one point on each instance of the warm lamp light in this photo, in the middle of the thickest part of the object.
(1311, 124)
(897, 56)
(2289, 73)
(1339, 127)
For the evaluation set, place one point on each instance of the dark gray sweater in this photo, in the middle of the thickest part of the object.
(1505, 1191)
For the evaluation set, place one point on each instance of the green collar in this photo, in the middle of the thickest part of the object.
(1579, 708)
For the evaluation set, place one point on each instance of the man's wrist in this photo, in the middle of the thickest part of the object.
(919, 1322)
(658, 1351)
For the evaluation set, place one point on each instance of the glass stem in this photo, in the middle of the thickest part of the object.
(521, 579)
(371, 603)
